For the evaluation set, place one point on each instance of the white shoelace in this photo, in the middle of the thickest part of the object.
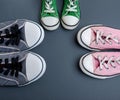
(71, 7)
(108, 38)
(106, 62)
(49, 8)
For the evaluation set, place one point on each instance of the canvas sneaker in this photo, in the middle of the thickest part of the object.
(49, 15)
(101, 65)
(19, 35)
(99, 37)
(20, 69)
(70, 14)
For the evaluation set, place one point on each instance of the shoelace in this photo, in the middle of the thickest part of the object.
(13, 68)
(13, 35)
(71, 7)
(48, 6)
(107, 62)
(105, 39)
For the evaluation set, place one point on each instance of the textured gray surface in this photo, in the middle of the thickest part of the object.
(63, 80)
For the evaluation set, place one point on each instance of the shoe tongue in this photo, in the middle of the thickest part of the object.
(22, 35)
(24, 67)
(93, 34)
(96, 63)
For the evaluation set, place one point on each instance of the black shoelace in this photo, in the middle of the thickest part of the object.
(13, 35)
(13, 68)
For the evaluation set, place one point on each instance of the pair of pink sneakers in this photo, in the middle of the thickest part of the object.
(100, 64)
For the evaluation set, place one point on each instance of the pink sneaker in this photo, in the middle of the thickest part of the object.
(101, 65)
(98, 37)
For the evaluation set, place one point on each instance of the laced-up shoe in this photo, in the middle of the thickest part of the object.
(71, 14)
(101, 65)
(20, 69)
(49, 15)
(19, 35)
(99, 37)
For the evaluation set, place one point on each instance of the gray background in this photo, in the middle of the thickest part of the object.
(63, 80)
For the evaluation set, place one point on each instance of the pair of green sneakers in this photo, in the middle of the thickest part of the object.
(70, 14)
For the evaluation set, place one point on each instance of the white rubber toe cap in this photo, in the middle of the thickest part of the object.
(70, 20)
(88, 63)
(34, 66)
(33, 33)
(86, 36)
(50, 21)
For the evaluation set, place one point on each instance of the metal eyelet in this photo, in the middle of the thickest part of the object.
(107, 68)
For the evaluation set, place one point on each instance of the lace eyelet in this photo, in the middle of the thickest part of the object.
(110, 43)
(114, 67)
(100, 69)
(107, 68)
(103, 43)
(96, 43)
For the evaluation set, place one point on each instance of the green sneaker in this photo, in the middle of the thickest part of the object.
(49, 15)
(71, 14)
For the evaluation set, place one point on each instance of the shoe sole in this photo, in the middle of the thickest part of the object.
(41, 73)
(50, 28)
(69, 27)
(89, 73)
(80, 40)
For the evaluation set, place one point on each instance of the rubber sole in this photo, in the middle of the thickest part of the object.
(68, 27)
(50, 28)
